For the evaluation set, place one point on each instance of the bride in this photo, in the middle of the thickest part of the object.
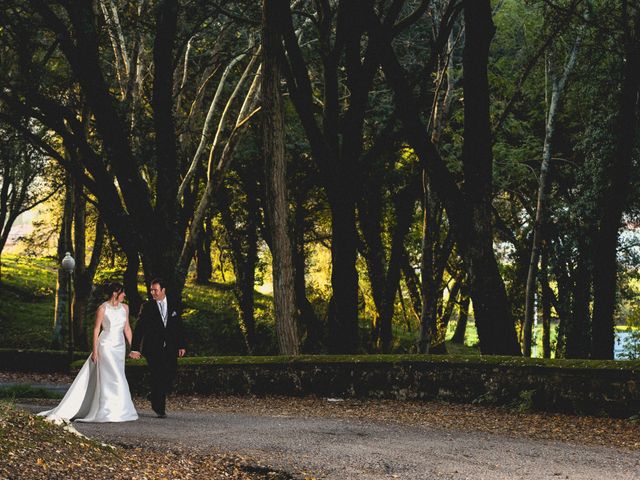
(100, 392)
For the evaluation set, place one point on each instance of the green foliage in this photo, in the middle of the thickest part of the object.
(211, 321)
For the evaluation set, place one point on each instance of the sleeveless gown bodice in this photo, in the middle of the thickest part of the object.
(100, 392)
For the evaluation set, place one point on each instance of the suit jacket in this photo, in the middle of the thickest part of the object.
(152, 335)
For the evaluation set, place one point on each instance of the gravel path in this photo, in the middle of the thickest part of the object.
(339, 448)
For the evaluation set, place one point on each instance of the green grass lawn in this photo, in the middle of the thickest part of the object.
(27, 301)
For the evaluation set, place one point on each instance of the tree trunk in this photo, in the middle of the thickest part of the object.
(384, 273)
(204, 265)
(82, 284)
(309, 321)
(413, 285)
(463, 315)
(84, 274)
(244, 290)
(577, 330)
(373, 252)
(244, 255)
(615, 195)
(565, 291)
(162, 256)
(495, 325)
(311, 334)
(343, 307)
(130, 281)
(546, 303)
(61, 317)
(276, 181)
(452, 302)
(404, 208)
(431, 330)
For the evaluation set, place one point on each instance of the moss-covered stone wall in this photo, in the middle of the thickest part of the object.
(42, 361)
(582, 387)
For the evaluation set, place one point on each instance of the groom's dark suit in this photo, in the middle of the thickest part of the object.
(160, 346)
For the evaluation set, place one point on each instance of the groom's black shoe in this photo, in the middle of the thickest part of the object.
(160, 413)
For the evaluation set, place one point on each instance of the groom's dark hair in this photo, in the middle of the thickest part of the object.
(159, 281)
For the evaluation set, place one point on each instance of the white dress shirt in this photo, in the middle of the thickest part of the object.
(162, 304)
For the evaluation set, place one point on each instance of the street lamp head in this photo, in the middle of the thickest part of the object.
(68, 263)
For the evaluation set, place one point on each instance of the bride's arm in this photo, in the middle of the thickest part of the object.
(127, 327)
(96, 332)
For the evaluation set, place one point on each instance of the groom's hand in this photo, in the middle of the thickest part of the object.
(134, 355)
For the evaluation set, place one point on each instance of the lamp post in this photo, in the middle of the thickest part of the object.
(68, 264)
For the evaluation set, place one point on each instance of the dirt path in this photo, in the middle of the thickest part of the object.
(343, 448)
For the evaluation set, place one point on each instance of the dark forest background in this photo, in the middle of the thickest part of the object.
(393, 169)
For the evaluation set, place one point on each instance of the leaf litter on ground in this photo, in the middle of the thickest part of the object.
(32, 448)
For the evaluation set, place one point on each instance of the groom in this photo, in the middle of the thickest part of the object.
(159, 330)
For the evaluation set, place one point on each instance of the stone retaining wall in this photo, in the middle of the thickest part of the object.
(40, 361)
(582, 387)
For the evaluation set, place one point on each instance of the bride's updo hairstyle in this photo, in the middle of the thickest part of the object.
(113, 287)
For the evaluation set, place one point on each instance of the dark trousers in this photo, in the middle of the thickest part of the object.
(162, 366)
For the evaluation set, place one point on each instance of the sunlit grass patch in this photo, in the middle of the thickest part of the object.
(27, 301)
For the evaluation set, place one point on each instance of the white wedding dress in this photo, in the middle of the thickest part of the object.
(100, 392)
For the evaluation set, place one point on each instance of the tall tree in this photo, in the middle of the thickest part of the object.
(336, 144)
(277, 207)
(614, 195)
(558, 84)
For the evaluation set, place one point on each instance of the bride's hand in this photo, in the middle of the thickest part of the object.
(94, 357)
